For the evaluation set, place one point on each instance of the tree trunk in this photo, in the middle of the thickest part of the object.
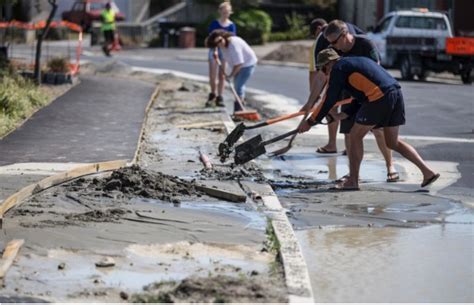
(43, 33)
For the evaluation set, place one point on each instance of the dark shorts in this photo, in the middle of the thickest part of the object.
(389, 111)
(109, 36)
(346, 124)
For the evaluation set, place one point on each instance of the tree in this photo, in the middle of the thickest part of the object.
(2, 2)
(42, 35)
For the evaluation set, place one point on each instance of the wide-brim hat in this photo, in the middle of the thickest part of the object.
(325, 56)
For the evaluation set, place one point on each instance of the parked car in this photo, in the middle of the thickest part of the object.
(416, 42)
(85, 12)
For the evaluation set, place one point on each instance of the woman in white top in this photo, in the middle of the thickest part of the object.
(240, 57)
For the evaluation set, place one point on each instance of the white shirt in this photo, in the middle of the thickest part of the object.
(239, 52)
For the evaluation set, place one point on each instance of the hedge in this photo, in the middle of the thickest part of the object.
(254, 26)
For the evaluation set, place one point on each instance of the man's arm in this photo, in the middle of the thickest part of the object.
(316, 87)
(333, 93)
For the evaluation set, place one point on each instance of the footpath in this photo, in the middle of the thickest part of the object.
(160, 227)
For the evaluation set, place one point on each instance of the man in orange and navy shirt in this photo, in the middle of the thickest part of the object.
(382, 106)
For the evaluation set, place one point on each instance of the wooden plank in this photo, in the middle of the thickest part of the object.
(9, 255)
(111, 165)
(150, 104)
(57, 179)
(200, 125)
(223, 190)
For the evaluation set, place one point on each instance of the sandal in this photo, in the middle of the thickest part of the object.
(393, 177)
(322, 150)
(430, 180)
(342, 179)
(342, 188)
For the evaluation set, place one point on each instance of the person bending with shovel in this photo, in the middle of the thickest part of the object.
(241, 58)
(382, 106)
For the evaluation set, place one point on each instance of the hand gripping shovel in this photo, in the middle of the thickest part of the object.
(285, 149)
(225, 148)
(255, 147)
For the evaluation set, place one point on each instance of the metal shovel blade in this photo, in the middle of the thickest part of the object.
(283, 150)
(235, 135)
(249, 150)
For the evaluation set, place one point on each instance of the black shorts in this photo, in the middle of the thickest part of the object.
(346, 124)
(109, 36)
(389, 111)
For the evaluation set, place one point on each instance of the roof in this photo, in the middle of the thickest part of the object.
(416, 13)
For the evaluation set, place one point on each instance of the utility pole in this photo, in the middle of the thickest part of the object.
(43, 33)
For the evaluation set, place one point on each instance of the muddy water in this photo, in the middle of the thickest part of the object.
(386, 243)
(429, 264)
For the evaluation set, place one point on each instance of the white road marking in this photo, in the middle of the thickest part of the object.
(278, 101)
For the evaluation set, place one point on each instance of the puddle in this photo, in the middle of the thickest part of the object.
(136, 267)
(239, 212)
(428, 264)
(313, 207)
(305, 164)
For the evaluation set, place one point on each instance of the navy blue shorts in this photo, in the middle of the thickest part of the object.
(389, 111)
(346, 124)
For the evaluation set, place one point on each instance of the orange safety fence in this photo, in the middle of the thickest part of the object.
(460, 45)
(74, 68)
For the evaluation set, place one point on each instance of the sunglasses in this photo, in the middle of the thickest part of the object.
(337, 39)
(324, 69)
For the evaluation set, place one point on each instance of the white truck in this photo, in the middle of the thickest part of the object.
(418, 41)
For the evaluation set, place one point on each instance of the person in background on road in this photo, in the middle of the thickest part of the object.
(240, 57)
(337, 33)
(223, 23)
(317, 28)
(382, 106)
(108, 27)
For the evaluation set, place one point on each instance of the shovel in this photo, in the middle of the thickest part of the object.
(225, 148)
(285, 149)
(251, 115)
(255, 147)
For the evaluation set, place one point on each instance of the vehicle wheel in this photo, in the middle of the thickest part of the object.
(422, 76)
(466, 77)
(405, 69)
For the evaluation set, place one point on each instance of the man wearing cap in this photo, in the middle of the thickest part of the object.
(316, 29)
(347, 44)
(382, 106)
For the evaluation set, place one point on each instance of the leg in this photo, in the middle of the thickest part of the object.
(386, 152)
(332, 133)
(212, 75)
(241, 79)
(356, 153)
(406, 150)
(221, 78)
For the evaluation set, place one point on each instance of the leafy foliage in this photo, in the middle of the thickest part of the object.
(253, 25)
(236, 4)
(297, 29)
(58, 65)
(19, 98)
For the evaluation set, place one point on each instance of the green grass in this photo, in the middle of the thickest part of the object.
(272, 240)
(19, 99)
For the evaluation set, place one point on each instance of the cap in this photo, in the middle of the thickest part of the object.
(326, 56)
